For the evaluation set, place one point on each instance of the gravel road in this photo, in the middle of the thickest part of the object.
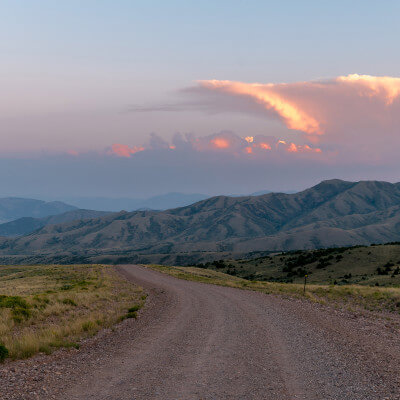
(203, 342)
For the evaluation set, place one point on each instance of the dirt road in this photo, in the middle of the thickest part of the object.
(198, 341)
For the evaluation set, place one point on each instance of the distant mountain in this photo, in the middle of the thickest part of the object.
(332, 213)
(26, 225)
(171, 200)
(12, 208)
(161, 202)
(260, 193)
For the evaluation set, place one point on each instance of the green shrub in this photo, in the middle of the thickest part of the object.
(3, 353)
(69, 302)
(134, 308)
(20, 309)
(12, 302)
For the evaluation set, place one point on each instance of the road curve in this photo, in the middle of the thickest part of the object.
(198, 341)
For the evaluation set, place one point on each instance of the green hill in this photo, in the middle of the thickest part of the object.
(364, 265)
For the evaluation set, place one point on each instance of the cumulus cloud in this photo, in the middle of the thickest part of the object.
(225, 142)
(334, 128)
(357, 115)
(383, 87)
(346, 127)
(269, 96)
(123, 150)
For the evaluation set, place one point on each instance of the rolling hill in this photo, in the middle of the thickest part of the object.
(374, 265)
(332, 213)
(26, 225)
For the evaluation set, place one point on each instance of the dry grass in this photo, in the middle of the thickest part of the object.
(346, 266)
(377, 299)
(46, 307)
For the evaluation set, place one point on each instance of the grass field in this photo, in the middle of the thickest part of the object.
(371, 298)
(376, 265)
(46, 307)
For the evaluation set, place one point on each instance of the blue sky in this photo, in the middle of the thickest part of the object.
(181, 41)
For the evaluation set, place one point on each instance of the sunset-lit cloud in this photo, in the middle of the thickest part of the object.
(306, 147)
(220, 143)
(385, 87)
(264, 146)
(225, 142)
(356, 116)
(122, 150)
(293, 148)
(333, 111)
(294, 116)
(350, 118)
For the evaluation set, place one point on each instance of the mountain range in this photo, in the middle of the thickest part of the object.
(332, 213)
(12, 208)
(161, 202)
(25, 225)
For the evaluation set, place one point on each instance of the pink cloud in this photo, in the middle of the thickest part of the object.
(292, 148)
(122, 150)
(265, 146)
(309, 106)
(220, 143)
(383, 87)
(356, 116)
(294, 116)
(225, 142)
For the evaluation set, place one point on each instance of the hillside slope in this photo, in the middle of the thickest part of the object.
(332, 213)
(26, 225)
(374, 265)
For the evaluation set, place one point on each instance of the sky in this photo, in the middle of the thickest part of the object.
(134, 99)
